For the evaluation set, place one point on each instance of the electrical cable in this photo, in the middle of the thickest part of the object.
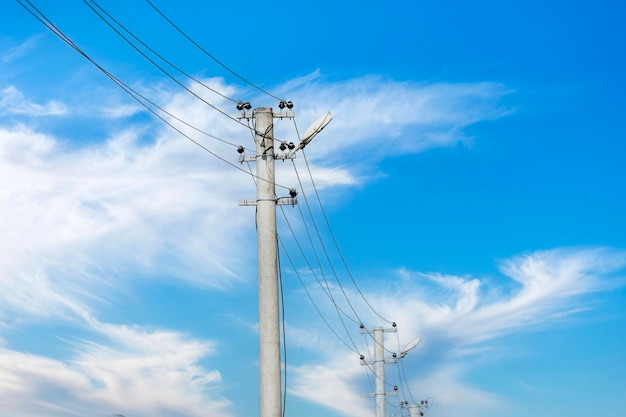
(168, 20)
(358, 320)
(326, 286)
(330, 230)
(335, 241)
(403, 373)
(129, 90)
(170, 76)
(125, 29)
(326, 252)
(306, 290)
(282, 305)
(337, 308)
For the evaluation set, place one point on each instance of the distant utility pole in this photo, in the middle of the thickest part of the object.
(266, 201)
(379, 368)
(416, 410)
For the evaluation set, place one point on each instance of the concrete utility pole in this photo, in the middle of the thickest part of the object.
(266, 201)
(379, 369)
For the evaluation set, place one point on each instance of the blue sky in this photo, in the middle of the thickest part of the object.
(472, 177)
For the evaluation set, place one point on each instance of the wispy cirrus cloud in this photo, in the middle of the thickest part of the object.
(18, 51)
(381, 117)
(131, 370)
(458, 316)
(12, 101)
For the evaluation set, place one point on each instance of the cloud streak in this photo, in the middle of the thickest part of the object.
(12, 101)
(134, 371)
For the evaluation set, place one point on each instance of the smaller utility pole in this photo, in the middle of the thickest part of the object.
(416, 410)
(379, 368)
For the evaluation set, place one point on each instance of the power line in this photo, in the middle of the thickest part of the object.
(170, 76)
(328, 294)
(125, 29)
(168, 20)
(129, 90)
(322, 244)
(319, 200)
(335, 242)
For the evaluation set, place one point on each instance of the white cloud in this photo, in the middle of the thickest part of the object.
(12, 101)
(331, 384)
(16, 52)
(378, 117)
(135, 371)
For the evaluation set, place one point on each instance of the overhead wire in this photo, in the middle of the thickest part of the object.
(41, 17)
(402, 373)
(193, 42)
(358, 319)
(306, 290)
(283, 326)
(165, 72)
(337, 308)
(336, 243)
(145, 45)
(304, 194)
(337, 248)
(325, 286)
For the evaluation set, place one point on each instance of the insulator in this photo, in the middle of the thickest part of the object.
(394, 355)
(422, 402)
(282, 146)
(293, 192)
(362, 357)
(362, 326)
(291, 146)
(240, 149)
(393, 324)
(282, 104)
(247, 105)
(240, 105)
(289, 105)
(395, 388)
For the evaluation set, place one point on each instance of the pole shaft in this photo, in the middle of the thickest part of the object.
(269, 331)
(379, 369)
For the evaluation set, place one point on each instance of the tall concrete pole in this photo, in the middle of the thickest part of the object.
(269, 331)
(379, 370)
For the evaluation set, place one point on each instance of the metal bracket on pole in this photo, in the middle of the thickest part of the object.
(282, 114)
(282, 156)
(373, 394)
(285, 201)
